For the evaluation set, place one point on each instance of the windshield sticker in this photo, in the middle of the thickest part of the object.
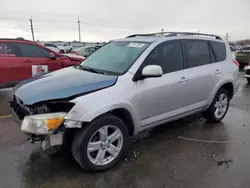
(39, 69)
(135, 45)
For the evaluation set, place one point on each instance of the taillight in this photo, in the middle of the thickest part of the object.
(236, 62)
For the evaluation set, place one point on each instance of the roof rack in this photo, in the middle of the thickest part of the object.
(170, 34)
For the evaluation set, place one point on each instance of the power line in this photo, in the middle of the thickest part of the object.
(53, 14)
(59, 21)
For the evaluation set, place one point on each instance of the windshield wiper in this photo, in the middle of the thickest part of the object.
(92, 70)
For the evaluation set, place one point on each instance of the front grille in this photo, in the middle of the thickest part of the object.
(248, 72)
(19, 110)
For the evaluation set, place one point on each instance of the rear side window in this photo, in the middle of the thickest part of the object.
(31, 50)
(168, 56)
(9, 49)
(219, 49)
(197, 53)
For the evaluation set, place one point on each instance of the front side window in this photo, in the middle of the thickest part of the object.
(197, 53)
(168, 56)
(52, 45)
(88, 50)
(31, 50)
(116, 57)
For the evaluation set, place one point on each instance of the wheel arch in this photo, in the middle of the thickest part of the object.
(123, 113)
(228, 85)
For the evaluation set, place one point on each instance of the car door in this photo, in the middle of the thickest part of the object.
(10, 63)
(36, 59)
(199, 73)
(160, 98)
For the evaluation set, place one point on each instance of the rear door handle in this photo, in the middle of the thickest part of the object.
(183, 80)
(27, 61)
(217, 71)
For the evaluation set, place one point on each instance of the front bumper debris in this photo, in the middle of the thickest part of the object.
(52, 143)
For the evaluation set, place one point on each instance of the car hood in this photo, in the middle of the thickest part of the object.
(61, 84)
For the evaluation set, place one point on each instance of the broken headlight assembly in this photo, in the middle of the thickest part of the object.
(47, 117)
(42, 124)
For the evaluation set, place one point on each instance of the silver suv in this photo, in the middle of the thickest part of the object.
(127, 86)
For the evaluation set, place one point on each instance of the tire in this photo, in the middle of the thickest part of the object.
(242, 66)
(248, 80)
(210, 113)
(61, 52)
(87, 133)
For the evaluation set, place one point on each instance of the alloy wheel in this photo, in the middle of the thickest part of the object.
(105, 145)
(220, 106)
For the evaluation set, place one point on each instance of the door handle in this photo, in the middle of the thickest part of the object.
(217, 71)
(183, 80)
(27, 61)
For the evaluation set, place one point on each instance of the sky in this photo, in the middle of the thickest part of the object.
(104, 20)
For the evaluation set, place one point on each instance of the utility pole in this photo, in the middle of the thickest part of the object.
(162, 30)
(226, 36)
(79, 28)
(31, 27)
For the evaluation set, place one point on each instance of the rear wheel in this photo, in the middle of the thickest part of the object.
(219, 107)
(101, 144)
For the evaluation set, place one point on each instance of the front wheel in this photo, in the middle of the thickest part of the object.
(101, 144)
(219, 107)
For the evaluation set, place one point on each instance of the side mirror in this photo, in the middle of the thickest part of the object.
(52, 56)
(152, 71)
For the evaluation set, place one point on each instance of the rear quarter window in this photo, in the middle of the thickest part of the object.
(9, 49)
(219, 50)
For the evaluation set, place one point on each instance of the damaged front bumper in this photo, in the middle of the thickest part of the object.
(42, 125)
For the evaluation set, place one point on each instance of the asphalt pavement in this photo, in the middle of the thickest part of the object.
(187, 153)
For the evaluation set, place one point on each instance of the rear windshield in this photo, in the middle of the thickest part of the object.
(116, 57)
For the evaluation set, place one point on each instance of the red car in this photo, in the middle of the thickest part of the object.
(21, 59)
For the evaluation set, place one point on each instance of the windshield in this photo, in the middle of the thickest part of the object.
(116, 57)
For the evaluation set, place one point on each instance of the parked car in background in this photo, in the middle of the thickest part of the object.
(74, 56)
(22, 59)
(65, 46)
(55, 48)
(84, 51)
(243, 57)
(247, 75)
(127, 86)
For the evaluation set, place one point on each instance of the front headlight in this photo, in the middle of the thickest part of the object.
(42, 123)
